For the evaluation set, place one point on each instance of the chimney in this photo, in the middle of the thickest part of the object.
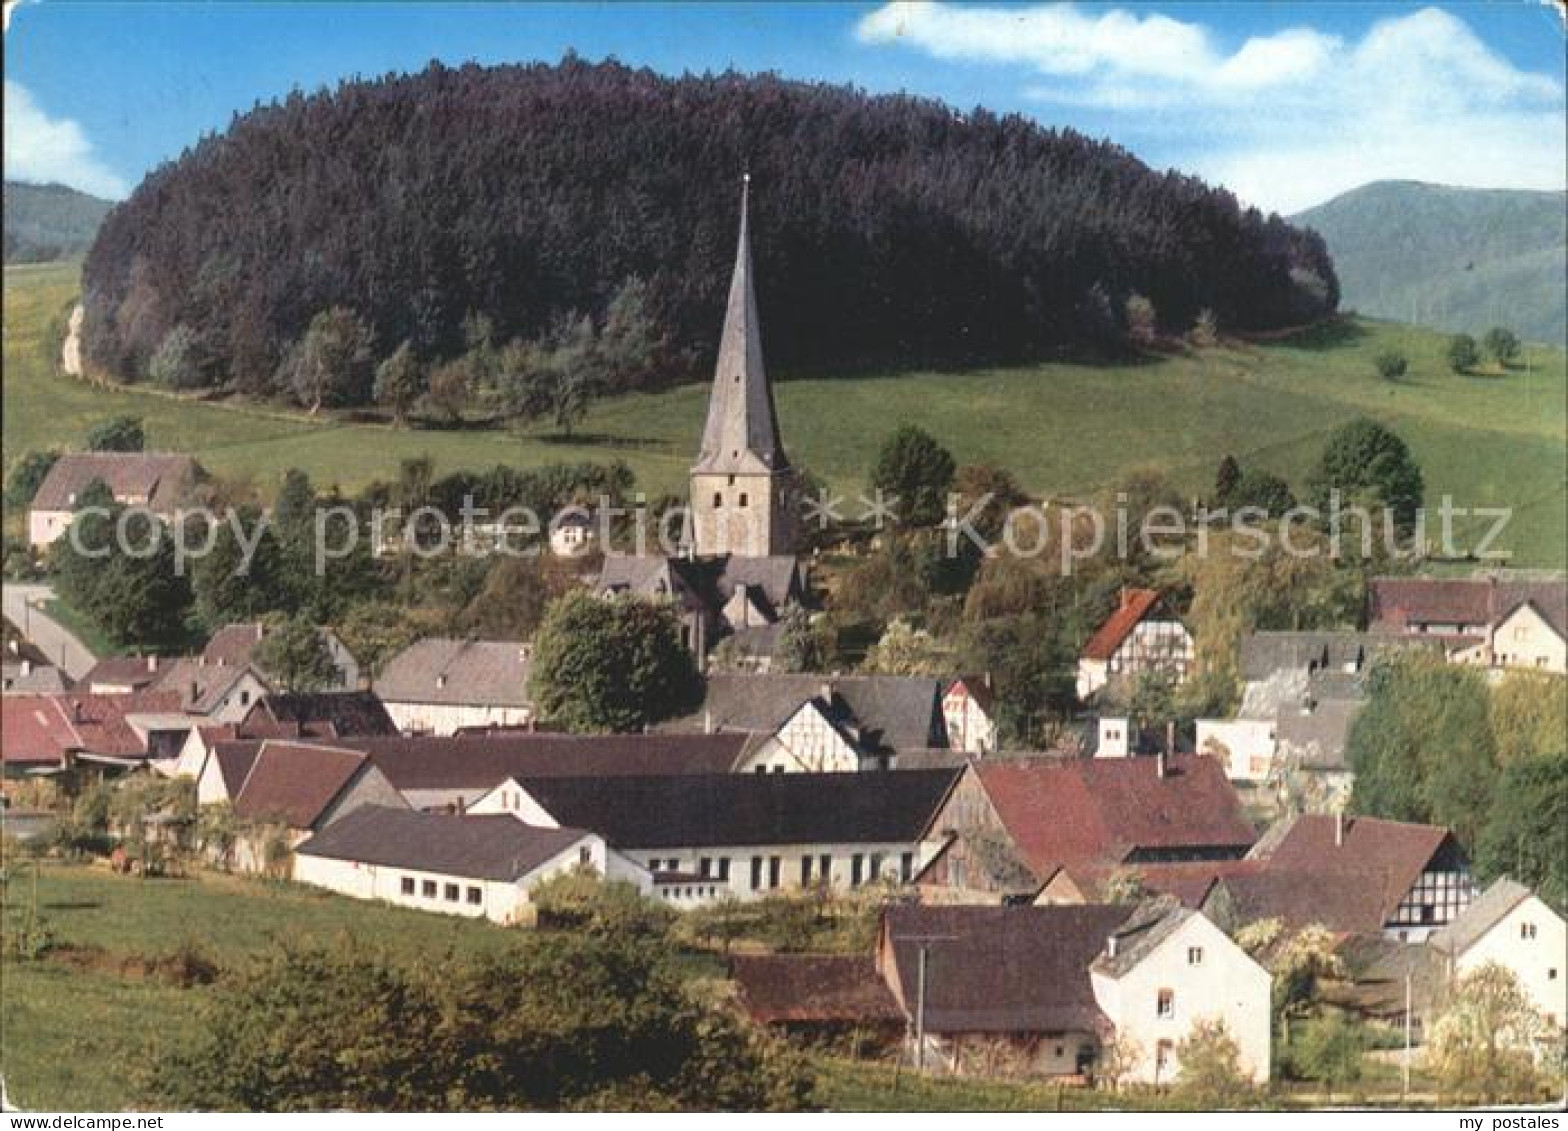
(1110, 946)
(707, 720)
(1339, 830)
(1159, 764)
(1124, 595)
(826, 691)
(27, 666)
(76, 710)
(441, 680)
(195, 691)
(1170, 737)
(152, 663)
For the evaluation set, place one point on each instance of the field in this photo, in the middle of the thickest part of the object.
(1065, 430)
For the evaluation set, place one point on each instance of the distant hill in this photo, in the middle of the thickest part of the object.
(44, 222)
(1454, 258)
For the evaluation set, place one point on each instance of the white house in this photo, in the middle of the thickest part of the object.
(1245, 746)
(746, 835)
(438, 686)
(1054, 984)
(1142, 635)
(473, 866)
(1512, 926)
(968, 707)
(153, 480)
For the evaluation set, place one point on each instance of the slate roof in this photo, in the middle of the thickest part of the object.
(160, 479)
(1088, 811)
(704, 584)
(887, 713)
(135, 672)
(326, 714)
(1136, 604)
(482, 673)
(484, 761)
(18, 678)
(294, 783)
(1300, 898)
(1261, 654)
(742, 433)
(720, 810)
(1151, 923)
(1003, 969)
(814, 988)
(1316, 739)
(497, 847)
(200, 687)
(1485, 912)
(1396, 603)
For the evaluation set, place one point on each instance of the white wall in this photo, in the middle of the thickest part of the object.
(1226, 984)
(1532, 941)
(806, 743)
(1245, 745)
(442, 719)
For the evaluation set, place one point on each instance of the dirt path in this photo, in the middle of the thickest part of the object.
(71, 348)
(23, 608)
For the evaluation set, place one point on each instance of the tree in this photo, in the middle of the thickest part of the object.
(915, 472)
(1529, 711)
(1330, 1049)
(1118, 1057)
(123, 577)
(1462, 353)
(581, 900)
(611, 665)
(1142, 323)
(333, 364)
(296, 655)
(633, 347)
(449, 388)
(1226, 478)
(1391, 365)
(227, 588)
(1210, 1074)
(117, 434)
(1362, 458)
(400, 382)
(27, 475)
(1205, 329)
(517, 592)
(1502, 343)
(1263, 490)
(1484, 1044)
(179, 362)
(906, 650)
(557, 376)
(1526, 830)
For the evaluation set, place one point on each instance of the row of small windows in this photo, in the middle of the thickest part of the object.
(718, 499)
(768, 871)
(451, 893)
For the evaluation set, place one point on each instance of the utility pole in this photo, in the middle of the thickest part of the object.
(1404, 1088)
(923, 942)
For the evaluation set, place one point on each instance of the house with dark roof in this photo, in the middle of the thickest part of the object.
(473, 866)
(1065, 824)
(321, 714)
(220, 693)
(825, 724)
(1141, 635)
(820, 997)
(1042, 990)
(29, 677)
(1512, 926)
(747, 835)
(157, 481)
(235, 645)
(1500, 620)
(291, 790)
(1353, 875)
(439, 686)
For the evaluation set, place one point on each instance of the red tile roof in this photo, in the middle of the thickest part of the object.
(155, 480)
(294, 783)
(1135, 606)
(35, 730)
(1099, 811)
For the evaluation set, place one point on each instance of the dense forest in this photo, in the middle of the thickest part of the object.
(887, 230)
(45, 222)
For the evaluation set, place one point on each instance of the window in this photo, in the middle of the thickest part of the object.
(724, 868)
(825, 867)
(451, 893)
(244, 698)
(775, 863)
(1527, 930)
(475, 896)
(718, 499)
(1194, 956)
(857, 868)
(743, 499)
(756, 872)
(876, 865)
(906, 867)
(805, 870)
(1551, 975)
(428, 889)
(407, 886)
(585, 854)
(1162, 1055)
(705, 867)
(1165, 1004)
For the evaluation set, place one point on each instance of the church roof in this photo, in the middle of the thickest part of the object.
(742, 433)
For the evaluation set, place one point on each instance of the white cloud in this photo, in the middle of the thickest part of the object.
(43, 149)
(1285, 120)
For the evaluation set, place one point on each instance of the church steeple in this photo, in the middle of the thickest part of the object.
(742, 433)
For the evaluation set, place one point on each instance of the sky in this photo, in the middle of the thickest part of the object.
(1288, 104)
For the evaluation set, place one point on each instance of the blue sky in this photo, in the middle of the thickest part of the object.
(1286, 103)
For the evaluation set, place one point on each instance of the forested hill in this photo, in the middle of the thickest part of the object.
(886, 229)
(1454, 258)
(44, 222)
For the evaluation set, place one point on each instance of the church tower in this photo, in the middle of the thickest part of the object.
(742, 497)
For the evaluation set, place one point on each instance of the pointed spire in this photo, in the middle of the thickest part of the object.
(742, 433)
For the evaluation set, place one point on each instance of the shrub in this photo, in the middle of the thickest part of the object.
(1462, 354)
(1390, 365)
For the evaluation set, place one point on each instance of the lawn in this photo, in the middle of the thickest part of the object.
(1065, 430)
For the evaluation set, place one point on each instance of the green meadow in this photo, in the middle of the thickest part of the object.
(1498, 438)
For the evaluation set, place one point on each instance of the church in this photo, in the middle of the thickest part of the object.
(736, 574)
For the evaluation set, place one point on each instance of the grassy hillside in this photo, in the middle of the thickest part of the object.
(44, 222)
(1458, 259)
(1063, 429)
